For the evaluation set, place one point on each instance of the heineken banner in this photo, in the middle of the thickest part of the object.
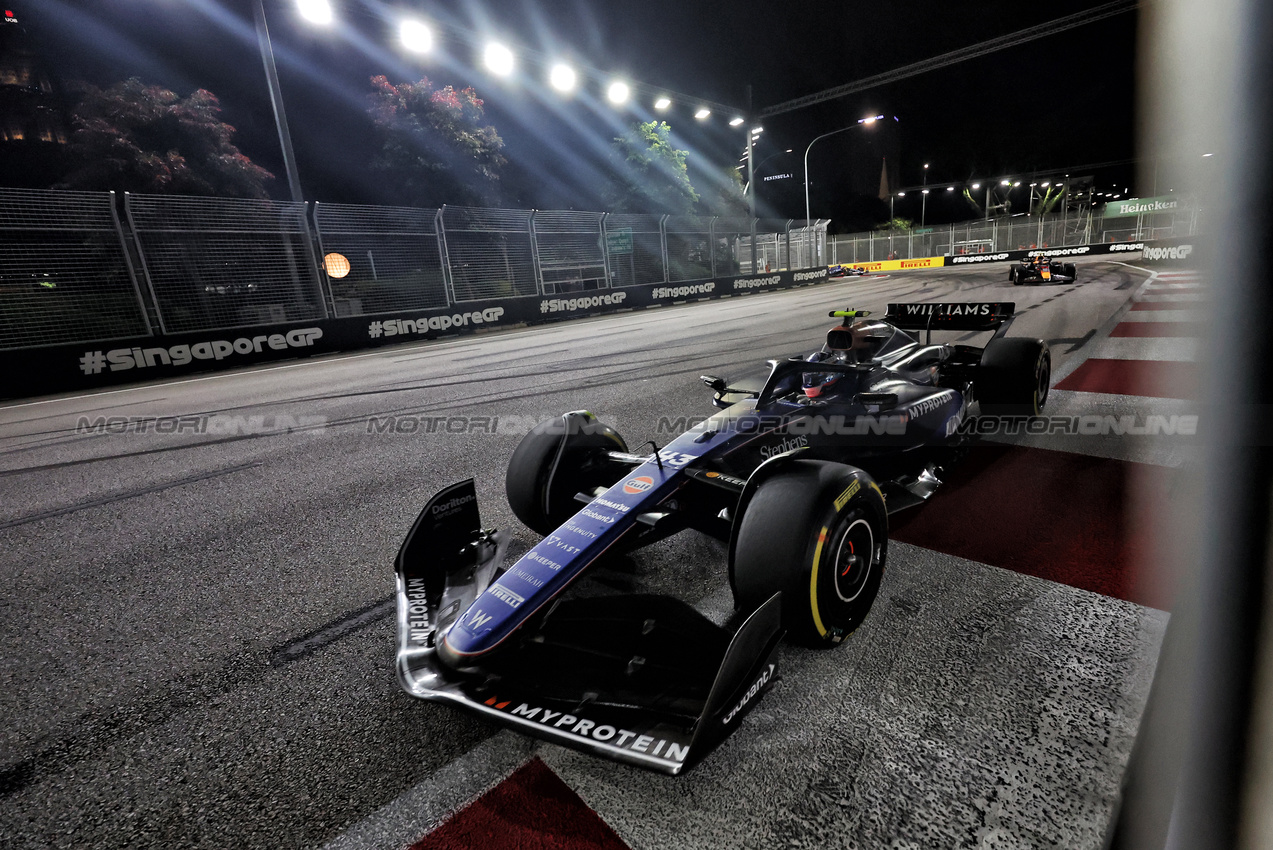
(1140, 206)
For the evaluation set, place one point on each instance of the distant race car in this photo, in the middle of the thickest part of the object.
(797, 476)
(844, 270)
(1042, 269)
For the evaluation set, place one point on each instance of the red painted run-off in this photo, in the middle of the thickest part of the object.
(1055, 515)
(1157, 329)
(1167, 305)
(530, 810)
(1151, 378)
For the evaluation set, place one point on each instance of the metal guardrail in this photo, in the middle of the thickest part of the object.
(67, 268)
(64, 273)
(1011, 234)
(225, 262)
(394, 258)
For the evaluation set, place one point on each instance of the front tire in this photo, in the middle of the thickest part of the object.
(818, 532)
(556, 460)
(1014, 377)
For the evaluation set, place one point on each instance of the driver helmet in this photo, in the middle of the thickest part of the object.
(859, 342)
(817, 383)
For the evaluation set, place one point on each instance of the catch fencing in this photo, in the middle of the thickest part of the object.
(1014, 233)
(73, 270)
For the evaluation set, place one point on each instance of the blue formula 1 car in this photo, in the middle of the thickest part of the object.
(798, 476)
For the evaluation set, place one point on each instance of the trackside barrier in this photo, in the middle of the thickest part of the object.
(80, 366)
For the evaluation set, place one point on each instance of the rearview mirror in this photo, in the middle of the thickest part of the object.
(713, 382)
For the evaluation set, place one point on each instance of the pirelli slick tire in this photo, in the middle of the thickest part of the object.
(1014, 275)
(556, 460)
(1014, 377)
(818, 532)
(1068, 269)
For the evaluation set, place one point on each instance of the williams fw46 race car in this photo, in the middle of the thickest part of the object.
(1041, 269)
(797, 476)
(844, 270)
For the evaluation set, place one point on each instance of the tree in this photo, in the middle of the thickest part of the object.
(140, 138)
(433, 144)
(724, 195)
(651, 176)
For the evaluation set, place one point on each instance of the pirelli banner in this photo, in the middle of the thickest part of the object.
(900, 265)
(82, 366)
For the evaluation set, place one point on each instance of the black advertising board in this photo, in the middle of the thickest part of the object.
(87, 366)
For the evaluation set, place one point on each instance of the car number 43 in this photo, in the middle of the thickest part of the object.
(676, 459)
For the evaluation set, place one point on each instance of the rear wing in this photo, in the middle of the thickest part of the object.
(952, 316)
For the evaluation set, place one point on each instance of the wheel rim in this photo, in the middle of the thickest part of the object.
(1043, 384)
(853, 559)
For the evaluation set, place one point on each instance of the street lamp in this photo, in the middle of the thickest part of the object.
(867, 121)
(314, 10)
(923, 209)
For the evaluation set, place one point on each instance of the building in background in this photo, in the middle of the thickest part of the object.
(34, 122)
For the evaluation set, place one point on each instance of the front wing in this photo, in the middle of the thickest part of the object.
(645, 680)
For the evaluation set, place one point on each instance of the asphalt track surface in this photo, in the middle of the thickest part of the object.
(198, 647)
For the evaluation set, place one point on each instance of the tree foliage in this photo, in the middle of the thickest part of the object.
(141, 138)
(724, 195)
(434, 145)
(650, 174)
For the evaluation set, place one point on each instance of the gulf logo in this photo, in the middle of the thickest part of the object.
(638, 485)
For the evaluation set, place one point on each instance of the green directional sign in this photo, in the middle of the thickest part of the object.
(619, 241)
(1137, 206)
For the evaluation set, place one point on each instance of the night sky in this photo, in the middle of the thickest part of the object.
(1053, 104)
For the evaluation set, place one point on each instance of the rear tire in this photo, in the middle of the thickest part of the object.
(1069, 270)
(1014, 377)
(556, 460)
(818, 532)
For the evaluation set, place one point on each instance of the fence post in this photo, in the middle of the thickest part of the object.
(324, 281)
(448, 278)
(145, 268)
(132, 273)
(663, 247)
(535, 267)
(711, 242)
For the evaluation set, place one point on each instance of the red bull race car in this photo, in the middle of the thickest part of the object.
(1039, 268)
(798, 476)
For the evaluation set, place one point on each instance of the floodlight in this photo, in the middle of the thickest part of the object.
(498, 59)
(618, 92)
(315, 11)
(415, 36)
(562, 77)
